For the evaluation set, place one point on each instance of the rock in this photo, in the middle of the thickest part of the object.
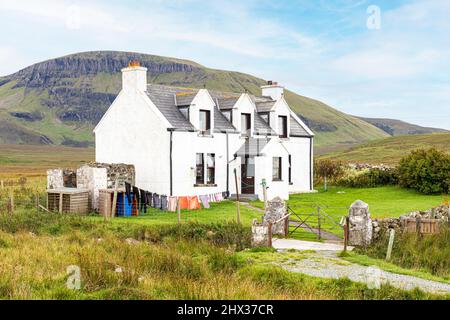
(131, 241)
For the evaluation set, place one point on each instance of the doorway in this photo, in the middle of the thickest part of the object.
(248, 175)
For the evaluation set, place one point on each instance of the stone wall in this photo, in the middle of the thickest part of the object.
(381, 226)
(55, 179)
(122, 172)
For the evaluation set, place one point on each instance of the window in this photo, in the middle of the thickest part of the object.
(245, 122)
(276, 172)
(200, 172)
(282, 126)
(229, 115)
(265, 117)
(205, 120)
(290, 169)
(185, 112)
(211, 168)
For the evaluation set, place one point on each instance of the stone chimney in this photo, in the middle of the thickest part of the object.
(273, 90)
(134, 77)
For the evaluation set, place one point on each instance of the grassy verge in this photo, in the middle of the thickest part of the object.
(192, 261)
(429, 253)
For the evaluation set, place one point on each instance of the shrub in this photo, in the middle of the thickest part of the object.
(370, 179)
(328, 171)
(427, 171)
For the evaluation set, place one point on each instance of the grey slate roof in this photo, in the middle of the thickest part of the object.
(167, 99)
(164, 98)
(252, 147)
(297, 129)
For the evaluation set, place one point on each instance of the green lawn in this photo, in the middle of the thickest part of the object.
(383, 202)
(219, 212)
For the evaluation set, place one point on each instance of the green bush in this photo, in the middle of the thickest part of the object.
(427, 171)
(370, 179)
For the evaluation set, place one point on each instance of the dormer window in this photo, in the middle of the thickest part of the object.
(205, 120)
(229, 115)
(246, 123)
(265, 117)
(282, 126)
(185, 111)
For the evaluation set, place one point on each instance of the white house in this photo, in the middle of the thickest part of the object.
(186, 142)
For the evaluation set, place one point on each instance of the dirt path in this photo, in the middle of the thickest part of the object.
(327, 264)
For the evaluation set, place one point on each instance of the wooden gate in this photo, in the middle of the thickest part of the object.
(314, 223)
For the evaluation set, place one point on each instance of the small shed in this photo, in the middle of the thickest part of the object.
(68, 200)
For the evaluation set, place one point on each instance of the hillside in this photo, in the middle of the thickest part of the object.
(391, 150)
(59, 101)
(399, 128)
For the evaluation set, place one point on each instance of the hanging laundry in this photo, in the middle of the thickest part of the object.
(205, 201)
(184, 203)
(143, 202)
(212, 198)
(164, 202)
(156, 201)
(128, 191)
(225, 195)
(194, 204)
(135, 210)
(149, 197)
(172, 205)
(136, 194)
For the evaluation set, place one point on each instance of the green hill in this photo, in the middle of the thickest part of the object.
(59, 101)
(391, 150)
(399, 128)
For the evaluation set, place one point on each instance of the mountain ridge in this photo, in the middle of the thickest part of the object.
(59, 101)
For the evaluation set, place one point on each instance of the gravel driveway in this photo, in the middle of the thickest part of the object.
(326, 264)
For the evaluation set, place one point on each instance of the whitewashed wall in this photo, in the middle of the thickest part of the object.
(299, 148)
(132, 132)
(185, 147)
(264, 168)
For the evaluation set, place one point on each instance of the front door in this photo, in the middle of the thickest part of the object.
(248, 175)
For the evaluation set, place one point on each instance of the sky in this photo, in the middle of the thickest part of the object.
(377, 58)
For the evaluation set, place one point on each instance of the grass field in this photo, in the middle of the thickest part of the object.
(193, 261)
(27, 161)
(391, 150)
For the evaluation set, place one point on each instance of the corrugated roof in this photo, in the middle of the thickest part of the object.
(252, 147)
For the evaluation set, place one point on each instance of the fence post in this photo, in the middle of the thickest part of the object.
(114, 203)
(2, 185)
(319, 223)
(238, 207)
(391, 243)
(179, 210)
(346, 233)
(12, 202)
(270, 234)
(37, 200)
